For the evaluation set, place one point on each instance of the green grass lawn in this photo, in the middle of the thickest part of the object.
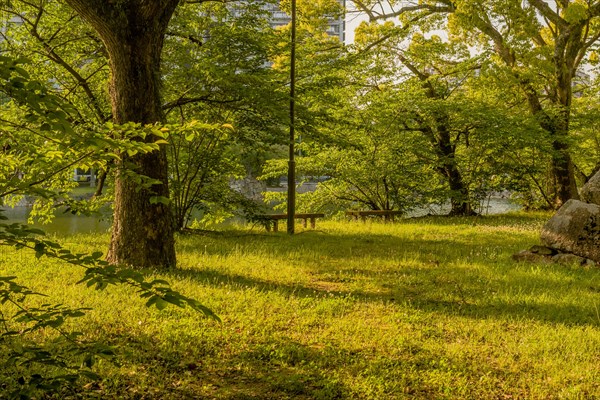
(429, 308)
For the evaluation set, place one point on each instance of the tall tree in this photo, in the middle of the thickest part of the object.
(441, 68)
(133, 33)
(417, 123)
(212, 69)
(540, 45)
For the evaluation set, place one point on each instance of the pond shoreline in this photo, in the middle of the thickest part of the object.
(66, 223)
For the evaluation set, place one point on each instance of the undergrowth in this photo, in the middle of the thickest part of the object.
(431, 308)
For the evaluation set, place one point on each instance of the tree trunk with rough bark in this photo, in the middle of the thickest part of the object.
(133, 32)
(563, 171)
(567, 50)
(445, 151)
(441, 142)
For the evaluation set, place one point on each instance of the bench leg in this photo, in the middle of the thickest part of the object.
(312, 223)
(304, 223)
(276, 226)
(268, 226)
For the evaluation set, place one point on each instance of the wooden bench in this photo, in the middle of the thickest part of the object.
(273, 220)
(388, 215)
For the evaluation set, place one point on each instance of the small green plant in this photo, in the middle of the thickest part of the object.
(39, 147)
(66, 358)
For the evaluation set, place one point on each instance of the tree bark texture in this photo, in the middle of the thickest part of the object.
(563, 169)
(567, 50)
(133, 32)
(446, 154)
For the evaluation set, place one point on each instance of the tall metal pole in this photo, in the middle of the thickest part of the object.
(291, 194)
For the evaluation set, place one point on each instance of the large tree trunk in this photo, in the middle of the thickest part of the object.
(566, 52)
(563, 171)
(133, 32)
(557, 127)
(447, 167)
(459, 197)
(445, 151)
(567, 47)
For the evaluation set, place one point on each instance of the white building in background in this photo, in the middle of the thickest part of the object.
(337, 26)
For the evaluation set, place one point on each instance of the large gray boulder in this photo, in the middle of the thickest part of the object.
(590, 192)
(575, 228)
(249, 187)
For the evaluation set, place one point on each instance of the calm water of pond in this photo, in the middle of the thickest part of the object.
(69, 224)
(63, 223)
(492, 206)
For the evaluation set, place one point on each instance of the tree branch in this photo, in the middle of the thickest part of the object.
(444, 7)
(191, 38)
(548, 13)
(189, 100)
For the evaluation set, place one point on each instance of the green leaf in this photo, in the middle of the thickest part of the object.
(156, 301)
(575, 13)
(161, 304)
(160, 199)
(40, 249)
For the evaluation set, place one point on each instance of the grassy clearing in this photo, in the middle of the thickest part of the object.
(428, 309)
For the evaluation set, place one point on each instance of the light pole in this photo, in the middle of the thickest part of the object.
(291, 193)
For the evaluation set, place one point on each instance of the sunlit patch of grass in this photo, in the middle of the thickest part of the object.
(424, 308)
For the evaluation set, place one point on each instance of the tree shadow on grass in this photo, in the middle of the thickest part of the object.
(267, 367)
(315, 247)
(282, 368)
(448, 290)
(470, 275)
(275, 369)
